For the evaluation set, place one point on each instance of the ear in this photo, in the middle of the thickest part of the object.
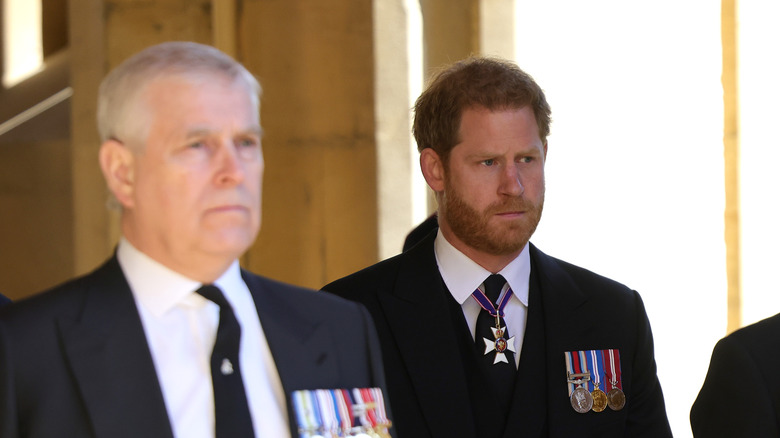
(116, 162)
(432, 169)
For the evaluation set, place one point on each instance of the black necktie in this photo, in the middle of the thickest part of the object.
(500, 375)
(231, 410)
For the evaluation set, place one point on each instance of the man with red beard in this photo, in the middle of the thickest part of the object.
(482, 334)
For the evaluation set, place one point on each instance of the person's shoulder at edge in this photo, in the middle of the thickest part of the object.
(758, 339)
(62, 298)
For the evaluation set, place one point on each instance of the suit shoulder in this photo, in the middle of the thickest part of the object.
(758, 337)
(55, 300)
(363, 282)
(589, 276)
(581, 275)
(301, 297)
(597, 289)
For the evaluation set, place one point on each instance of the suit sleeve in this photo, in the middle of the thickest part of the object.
(734, 401)
(647, 414)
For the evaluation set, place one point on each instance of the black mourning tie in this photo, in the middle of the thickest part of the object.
(231, 410)
(500, 375)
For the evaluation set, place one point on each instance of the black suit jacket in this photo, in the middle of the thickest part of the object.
(581, 311)
(741, 393)
(74, 361)
(4, 300)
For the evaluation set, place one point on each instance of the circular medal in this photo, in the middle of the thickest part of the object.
(599, 400)
(500, 345)
(616, 399)
(581, 400)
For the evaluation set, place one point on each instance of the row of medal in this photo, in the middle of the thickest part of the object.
(331, 413)
(586, 372)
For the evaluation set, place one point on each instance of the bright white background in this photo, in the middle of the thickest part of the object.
(759, 84)
(635, 187)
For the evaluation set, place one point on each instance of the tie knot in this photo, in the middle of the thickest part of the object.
(214, 294)
(493, 285)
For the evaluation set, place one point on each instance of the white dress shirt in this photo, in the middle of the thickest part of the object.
(181, 327)
(463, 276)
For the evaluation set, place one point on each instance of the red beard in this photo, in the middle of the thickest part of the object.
(475, 229)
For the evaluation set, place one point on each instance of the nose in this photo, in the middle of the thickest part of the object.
(511, 181)
(230, 168)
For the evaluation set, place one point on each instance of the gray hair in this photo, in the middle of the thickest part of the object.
(120, 90)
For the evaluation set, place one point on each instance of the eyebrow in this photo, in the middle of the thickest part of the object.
(202, 132)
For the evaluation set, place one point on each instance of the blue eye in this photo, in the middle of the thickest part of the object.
(489, 162)
(247, 143)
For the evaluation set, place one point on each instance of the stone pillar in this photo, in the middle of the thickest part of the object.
(315, 60)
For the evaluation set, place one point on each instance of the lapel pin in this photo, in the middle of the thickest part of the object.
(226, 368)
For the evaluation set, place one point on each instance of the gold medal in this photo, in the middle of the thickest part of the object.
(599, 400)
(581, 400)
(597, 365)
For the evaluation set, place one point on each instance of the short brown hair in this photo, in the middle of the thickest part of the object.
(490, 83)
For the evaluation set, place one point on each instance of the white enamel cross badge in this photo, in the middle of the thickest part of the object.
(500, 344)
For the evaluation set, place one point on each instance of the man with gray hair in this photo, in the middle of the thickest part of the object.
(171, 337)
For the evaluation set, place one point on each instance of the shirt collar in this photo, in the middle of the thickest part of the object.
(159, 289)
(463, 275)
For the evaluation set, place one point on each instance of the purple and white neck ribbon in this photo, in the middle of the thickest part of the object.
(486, 304)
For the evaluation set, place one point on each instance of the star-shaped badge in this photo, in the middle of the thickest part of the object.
(500, 345)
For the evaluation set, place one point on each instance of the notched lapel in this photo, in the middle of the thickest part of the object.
(529, 402)
(108, 353)
(302, 349)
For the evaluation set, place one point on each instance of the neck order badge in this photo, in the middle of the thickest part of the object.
(500, 343)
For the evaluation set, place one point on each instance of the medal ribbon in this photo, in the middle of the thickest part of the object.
(595, 359)
(307, 412)
(613, 369)
(344, 409)
(368, 400)
(381, 413)
(351, 403)
(577, 362)
(569, 369)
(573, 367)
(327, 410)
(365, 421)
(486, 304)
(583, 363)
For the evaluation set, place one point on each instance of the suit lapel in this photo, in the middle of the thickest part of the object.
(108, 353)
(554, 309)
(417, 312)
(302, 350)
(297, 343)
(527, 416)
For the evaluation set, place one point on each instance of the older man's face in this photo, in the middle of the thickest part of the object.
(196, 201)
